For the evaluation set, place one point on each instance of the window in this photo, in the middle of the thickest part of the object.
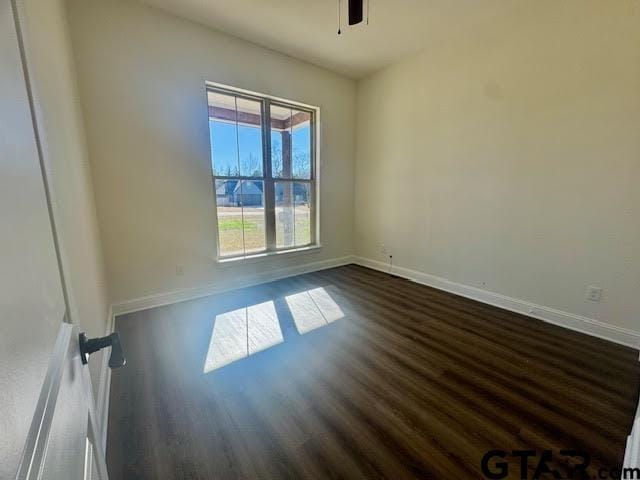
(263, 157)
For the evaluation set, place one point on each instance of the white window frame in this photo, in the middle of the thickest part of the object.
(269, 181)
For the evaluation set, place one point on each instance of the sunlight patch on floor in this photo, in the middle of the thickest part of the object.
(313, 309)
(243, 332)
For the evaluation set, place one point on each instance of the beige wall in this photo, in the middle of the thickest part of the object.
(510, 159)
(53, 79)
(142, 74)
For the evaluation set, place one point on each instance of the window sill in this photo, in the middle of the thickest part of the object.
(261, 257)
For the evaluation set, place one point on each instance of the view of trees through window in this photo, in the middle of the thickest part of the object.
(262, 159)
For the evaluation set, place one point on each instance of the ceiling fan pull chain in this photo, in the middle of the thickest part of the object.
(339, 32)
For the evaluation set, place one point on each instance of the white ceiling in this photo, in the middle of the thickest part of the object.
(307, 29)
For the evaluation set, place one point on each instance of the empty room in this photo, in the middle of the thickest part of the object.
(319, 239)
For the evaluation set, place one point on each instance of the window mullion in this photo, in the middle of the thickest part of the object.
(269, 188)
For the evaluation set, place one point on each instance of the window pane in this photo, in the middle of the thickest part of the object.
(241, 222)
(252, 198)
(223, 134)
(302, 213)
(290, 143)
(301, 144)
(230, 231)
(250, 137)
(285, 221)
(280, 142)
(236, 135)
(293, 214)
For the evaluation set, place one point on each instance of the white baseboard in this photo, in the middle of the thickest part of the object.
(104, 386)
(168, 298)
(572, 321)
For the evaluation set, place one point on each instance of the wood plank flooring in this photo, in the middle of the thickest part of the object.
(388, 379)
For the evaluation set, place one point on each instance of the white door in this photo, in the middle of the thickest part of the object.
(46, 404)
(64, 441)
(632, 452)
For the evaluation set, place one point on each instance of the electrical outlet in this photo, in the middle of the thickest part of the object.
(179, 270)
(594, 294)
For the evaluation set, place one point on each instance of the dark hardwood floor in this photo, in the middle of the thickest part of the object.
(390, 380)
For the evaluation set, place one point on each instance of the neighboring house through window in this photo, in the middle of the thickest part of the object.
(263, 154)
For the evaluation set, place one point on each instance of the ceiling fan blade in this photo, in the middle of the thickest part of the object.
(355, 11)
